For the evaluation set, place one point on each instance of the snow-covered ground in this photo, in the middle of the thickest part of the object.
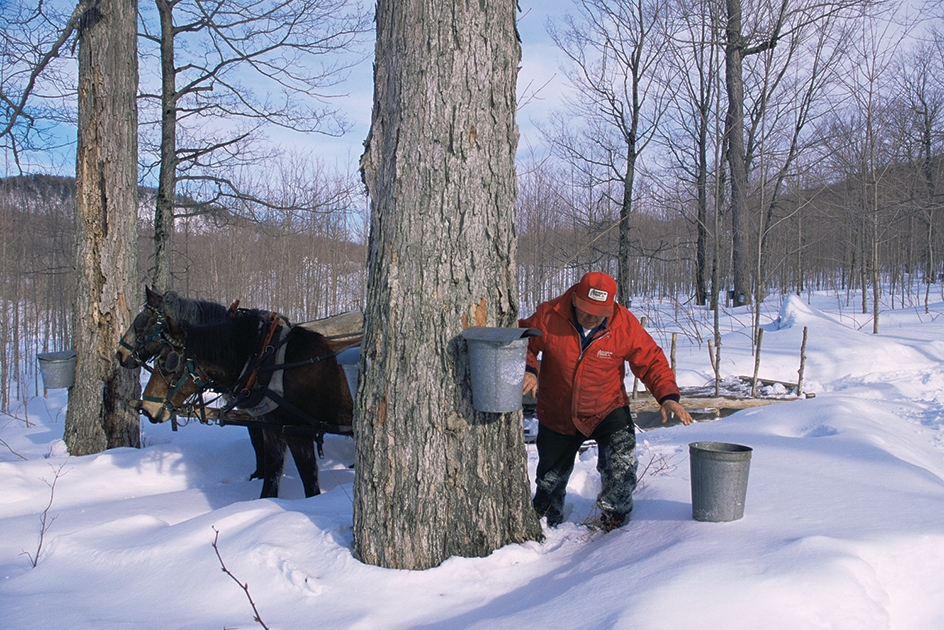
(843, 524)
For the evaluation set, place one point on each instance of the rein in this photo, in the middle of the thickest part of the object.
(190, 371)
(266, 349)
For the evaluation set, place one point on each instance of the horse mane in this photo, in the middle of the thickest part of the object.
(226, 343)
(197, 312)
(224, 347)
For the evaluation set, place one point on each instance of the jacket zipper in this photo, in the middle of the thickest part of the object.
(605, 332)
(577, 370)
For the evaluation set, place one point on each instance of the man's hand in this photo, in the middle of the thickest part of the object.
(530, 384)
(670, 406)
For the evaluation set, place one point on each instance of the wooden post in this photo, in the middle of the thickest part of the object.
(642, 322)
(714, 367)
(760, 338)
(672, 354)
(802, 364)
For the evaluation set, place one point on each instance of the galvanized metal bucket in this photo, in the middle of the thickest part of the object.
(349, 360)
(719, 480)
(57, 368)
(497, 358)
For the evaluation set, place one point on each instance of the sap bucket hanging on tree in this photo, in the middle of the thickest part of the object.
(719, 480)
(497, 358)
(57, 368)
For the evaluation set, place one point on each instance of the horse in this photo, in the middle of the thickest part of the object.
(144, 340)
(240, 358)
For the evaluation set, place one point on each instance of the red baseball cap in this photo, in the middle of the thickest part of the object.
(595, 293)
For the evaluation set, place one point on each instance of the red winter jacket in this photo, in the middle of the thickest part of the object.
(576, 390)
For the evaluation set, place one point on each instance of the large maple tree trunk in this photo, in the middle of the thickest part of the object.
(734, 132)
(435, 478)
(105, 225)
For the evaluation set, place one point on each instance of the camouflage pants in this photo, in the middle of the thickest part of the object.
(616, 463)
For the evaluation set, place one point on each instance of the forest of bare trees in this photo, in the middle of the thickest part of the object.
(306, 265)
(842, 124)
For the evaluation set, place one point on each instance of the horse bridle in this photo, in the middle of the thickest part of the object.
(180, 373)
(156, 335)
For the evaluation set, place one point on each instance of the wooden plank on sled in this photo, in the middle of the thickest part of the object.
(238, 417)
(347, 326)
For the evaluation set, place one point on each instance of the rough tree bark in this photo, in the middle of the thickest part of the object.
(105, 225)
(434, 478)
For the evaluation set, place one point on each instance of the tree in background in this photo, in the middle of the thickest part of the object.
(36, 88)
(105, 224)
(229, 71)
(867, 147)
(433, 477)
(920, 90)
(615, 52)
(737, 48)
(806, 32)
(690, 134)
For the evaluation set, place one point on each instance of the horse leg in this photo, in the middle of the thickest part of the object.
(303, 451)
(258, 446)
(274, 462)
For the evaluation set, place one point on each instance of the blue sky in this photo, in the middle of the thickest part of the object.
(539, 69)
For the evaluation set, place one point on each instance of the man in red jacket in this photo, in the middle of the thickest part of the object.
(587, 340)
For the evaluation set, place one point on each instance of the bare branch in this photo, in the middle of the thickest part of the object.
(243, 585)
(45, 522)
(67, 32)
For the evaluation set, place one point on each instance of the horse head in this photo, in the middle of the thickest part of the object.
(142, 341)
(175, 379)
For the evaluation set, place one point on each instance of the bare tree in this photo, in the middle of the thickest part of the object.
(874, 50)
(614, 52)
(921, 92)
(771, 22)
(35, 85)
(105, 225)
(795, 91)
(693, 57)
(737, 48)
(257, 65)
(435, 478)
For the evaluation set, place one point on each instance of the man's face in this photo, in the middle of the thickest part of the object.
(587, 320)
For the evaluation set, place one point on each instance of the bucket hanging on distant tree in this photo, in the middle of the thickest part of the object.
(57, 368)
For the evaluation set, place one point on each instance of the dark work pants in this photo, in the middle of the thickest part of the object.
(616, 463)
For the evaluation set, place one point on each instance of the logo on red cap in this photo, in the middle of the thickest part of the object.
(598, 295)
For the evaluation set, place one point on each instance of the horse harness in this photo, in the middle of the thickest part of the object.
(258, 389)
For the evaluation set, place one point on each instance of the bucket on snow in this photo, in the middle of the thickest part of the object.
(57, 368)
(719, 480)
(497, 358)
